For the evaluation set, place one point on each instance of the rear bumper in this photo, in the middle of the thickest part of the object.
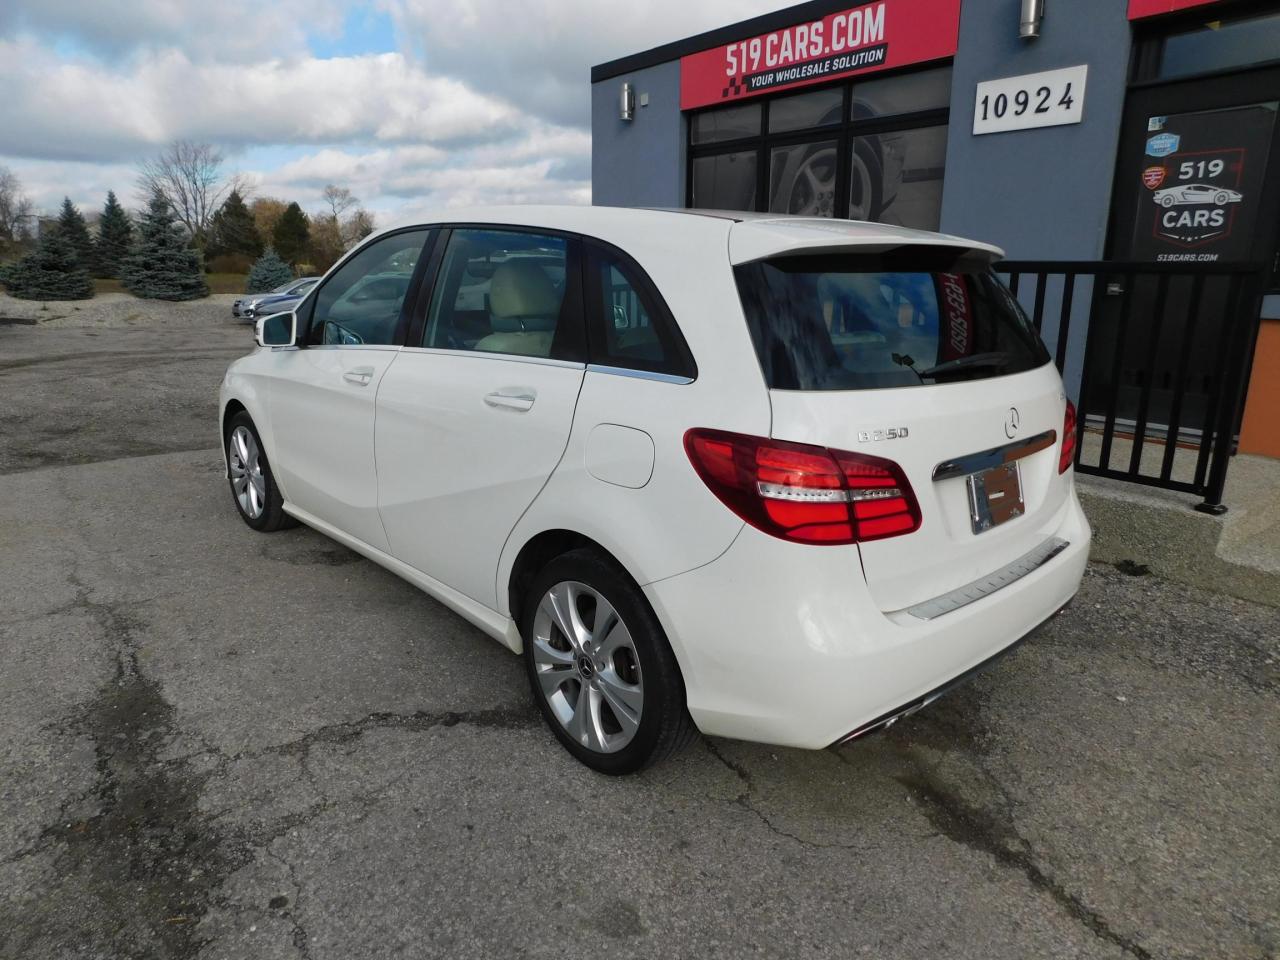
(782, 643)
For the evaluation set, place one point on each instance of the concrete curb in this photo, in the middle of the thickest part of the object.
(1161, 531)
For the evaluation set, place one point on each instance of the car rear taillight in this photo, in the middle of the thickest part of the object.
(804, 493)
(1068, 439)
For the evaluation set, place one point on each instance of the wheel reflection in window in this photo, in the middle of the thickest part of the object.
(897, 177)
(802, 179)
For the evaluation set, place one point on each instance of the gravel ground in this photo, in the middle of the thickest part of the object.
(216, 744)
(114, 310)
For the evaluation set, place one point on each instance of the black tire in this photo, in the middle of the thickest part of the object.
(665, 725)
(272, 516)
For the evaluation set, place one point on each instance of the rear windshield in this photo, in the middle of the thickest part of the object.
(859, 322)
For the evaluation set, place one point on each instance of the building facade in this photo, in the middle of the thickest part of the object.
(1135, 131)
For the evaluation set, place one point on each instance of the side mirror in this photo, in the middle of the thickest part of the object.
(277, 330)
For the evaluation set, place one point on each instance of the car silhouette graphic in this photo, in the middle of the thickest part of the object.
(1196, 193)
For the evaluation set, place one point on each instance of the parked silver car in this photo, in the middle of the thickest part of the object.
(280, 300)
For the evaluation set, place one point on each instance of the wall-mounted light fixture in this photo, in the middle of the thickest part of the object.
(627, 103)
(1032, 14)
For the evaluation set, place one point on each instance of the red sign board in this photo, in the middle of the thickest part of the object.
(872, 36)
(1139, 9)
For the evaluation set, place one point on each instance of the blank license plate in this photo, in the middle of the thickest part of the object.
(995, 496)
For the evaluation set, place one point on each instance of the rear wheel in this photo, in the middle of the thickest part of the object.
(253, 486)
(600, 666)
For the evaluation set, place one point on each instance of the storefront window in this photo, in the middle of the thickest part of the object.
(725, 182)
(897, 177)
(892, 96)
(881, 161)
(802, 179)
(819, 108)
(726, 123)
(1221, 44)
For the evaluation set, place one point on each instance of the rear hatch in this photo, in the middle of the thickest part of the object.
(916, 354)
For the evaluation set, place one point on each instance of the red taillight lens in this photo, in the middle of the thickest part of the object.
(804, 493)
(1068, 439)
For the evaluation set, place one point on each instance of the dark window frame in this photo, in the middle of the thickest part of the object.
(678, 360)
(844, 132)
(1150, 35)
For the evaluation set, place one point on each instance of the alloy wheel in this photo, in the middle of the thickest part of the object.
(587, 667)
(245, 462)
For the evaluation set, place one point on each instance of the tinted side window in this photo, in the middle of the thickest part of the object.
(631, 326)
(501, 291)
(361, 302)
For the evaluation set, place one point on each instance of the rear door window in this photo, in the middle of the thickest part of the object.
(859, 322)
(507, 291)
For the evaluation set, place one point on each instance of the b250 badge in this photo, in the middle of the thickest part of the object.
(888, 433)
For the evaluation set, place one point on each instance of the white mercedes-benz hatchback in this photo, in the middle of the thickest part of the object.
(771, 478)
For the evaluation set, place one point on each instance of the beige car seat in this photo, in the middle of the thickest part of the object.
(524, 306)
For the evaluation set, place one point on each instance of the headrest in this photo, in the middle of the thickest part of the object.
(522, 297)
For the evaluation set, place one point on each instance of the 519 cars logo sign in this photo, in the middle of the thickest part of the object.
(1199, 206)
(871, 36)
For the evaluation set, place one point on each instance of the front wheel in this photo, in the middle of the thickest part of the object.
(600, 666)
(253, 485)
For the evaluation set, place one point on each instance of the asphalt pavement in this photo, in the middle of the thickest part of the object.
(221, 744)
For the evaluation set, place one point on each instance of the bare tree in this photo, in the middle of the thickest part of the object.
(189, 176)
(16, 213)
(339, 199)
(357, 226)
(345, 223)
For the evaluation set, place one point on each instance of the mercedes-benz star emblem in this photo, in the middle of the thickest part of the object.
(1012, 422)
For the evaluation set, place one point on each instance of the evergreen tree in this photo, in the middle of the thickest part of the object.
(52, 272)
(115, 237)
(163, 266)
(232, 230)
(268, 273)
(72, 228)
(292, 234)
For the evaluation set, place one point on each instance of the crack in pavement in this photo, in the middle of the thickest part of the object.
(976, 829)
(136, 878)
(985, 832)
(503, 718)
(744, 801)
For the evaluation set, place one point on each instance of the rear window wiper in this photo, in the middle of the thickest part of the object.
(961, 363)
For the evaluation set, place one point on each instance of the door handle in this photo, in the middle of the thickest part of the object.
(512, 398)
(360, 376)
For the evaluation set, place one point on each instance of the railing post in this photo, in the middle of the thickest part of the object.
(1231, 390)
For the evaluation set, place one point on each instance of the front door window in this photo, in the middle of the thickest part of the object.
(361, 302)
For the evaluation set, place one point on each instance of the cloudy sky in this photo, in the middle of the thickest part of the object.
(412, 104)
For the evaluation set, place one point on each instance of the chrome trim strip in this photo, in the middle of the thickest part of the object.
(486, 355)
(638, 374)
(986, 459)
(985, 586)
(386, 347)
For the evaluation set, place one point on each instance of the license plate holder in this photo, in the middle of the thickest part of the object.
(995, 497)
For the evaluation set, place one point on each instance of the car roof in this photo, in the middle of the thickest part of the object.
(749, 236)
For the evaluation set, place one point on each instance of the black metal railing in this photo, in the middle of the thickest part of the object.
(1158, 355)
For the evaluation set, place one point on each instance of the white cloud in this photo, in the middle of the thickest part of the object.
(483, 101)
(539, 54)
(83, 110)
